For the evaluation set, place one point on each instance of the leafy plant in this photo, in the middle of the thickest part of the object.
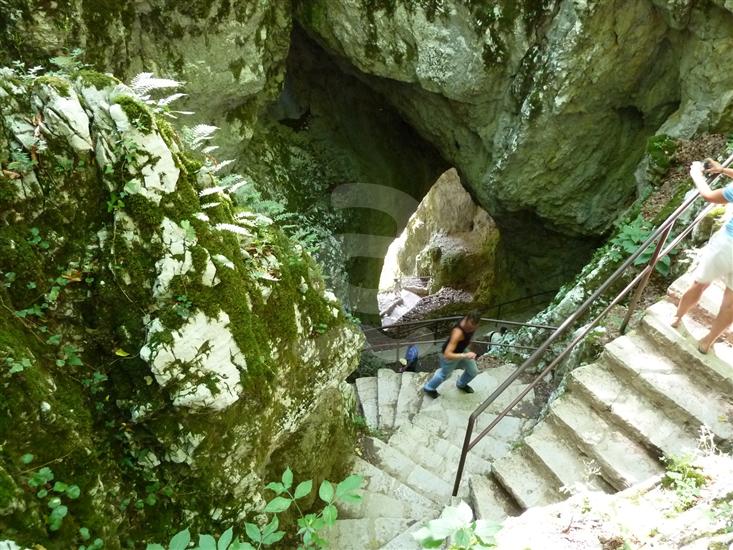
(36, 239)
(259, 536)
(41, 480)
(17, 365)
(683, 477)
(628, 240)
(456, 524)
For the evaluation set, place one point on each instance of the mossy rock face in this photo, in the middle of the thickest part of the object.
(230, 54)
(156, 350)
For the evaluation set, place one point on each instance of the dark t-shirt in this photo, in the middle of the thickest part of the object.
(463, 344)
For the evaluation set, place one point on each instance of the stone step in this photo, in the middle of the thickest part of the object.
(634, 412)
(685, 398)
(623, 462)
(493, 446)
(388, 388)
(366, 390)
(405, 540)
(489, 500)
(709, 304)
(364, 534)
(569, 465)
(436, 454)
(406, 470)
(528, 482)
(385, 496)
(681, 345)
(410, 397)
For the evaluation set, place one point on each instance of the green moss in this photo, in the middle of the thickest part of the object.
(59, 84)
(96, 79)
(137, 113)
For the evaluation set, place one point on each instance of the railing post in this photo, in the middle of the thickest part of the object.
(642, 284)
(464, 454)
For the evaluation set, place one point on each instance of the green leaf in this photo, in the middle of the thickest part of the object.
(60, 486)
(224, 540)
(84, 533)
(43, 493)
(238, 545)
(206, 542)
(351, 498)
(351, 483)
(330, 514)
(278, 488)
(277, 505)
(155, 546)
(325, 491)
(287, 478)
(73, 492)
(54, 502)
(271, 527)
(151, 499)
(272, 538)
(253, 532)
(304, 488)
(180, 540)
(462, 537)
(54, 340)
(26, 458)
(59, 512)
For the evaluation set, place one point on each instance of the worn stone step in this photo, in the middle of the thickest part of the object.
(483, 384)
(405, 540)
(489, 500)
(406, 470)
(622, 460)
(685, 398)
(569, 465)
(388, 388)
(635, 412)
(366, 390)
(528, 482)
(385, 496)
(681, 345)
(410, 397)
(709, 304)
(493, 446)
(437, 454)
(364, 534)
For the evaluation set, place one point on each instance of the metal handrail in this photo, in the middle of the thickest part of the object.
(661, 234)
(428, 322)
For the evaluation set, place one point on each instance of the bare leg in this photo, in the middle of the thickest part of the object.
(689, 299)
(721, 322)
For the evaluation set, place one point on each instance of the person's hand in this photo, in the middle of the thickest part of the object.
(715, 167)
(470, 355)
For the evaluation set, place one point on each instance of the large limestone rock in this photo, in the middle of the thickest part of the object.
(447, 239)
(231, 55)
(159, 349)
(544, 107)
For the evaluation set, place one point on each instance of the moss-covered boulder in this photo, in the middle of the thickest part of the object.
(158, 346)
(230, 54)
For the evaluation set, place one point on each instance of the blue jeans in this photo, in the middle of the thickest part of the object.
(470, 370)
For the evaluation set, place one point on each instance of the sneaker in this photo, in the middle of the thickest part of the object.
(432, 393)
(465, 389)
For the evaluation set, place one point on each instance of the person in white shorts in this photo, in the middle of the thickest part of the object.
(716, 259)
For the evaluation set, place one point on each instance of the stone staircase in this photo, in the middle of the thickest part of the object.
(646, 396)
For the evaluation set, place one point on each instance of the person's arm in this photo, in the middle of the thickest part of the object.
(455, 337)
(715, 196)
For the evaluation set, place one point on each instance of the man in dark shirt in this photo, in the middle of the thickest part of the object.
(455, 355)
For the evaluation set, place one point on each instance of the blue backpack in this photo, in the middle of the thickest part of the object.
(411, 356)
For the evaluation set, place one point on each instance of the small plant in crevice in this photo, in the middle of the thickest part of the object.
(685, 479)
(456, 526)
(268, 533)
(55, 495)
(630, 236)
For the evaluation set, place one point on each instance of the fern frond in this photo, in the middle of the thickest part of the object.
(144, 83)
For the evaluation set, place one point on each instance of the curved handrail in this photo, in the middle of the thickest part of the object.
(659, 235)
(443, 319)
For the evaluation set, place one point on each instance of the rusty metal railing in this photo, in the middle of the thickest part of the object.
(658, 236)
